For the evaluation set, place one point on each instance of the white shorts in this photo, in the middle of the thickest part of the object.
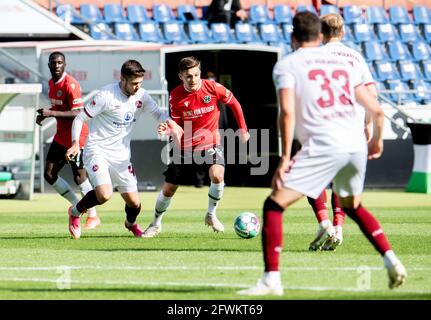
(310, 175)
(101, 170)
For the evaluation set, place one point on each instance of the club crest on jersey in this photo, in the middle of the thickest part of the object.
(72, 85)
(186, 104)
(131, 170)
(95, 168)
(138, 104)
(59, 93)
(207, 99)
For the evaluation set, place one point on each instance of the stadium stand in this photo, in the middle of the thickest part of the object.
(246, 33)
(187, 12)
(221, 33)
(282, 14)
(163, 13)
(259, 14)
(149, 32)
(199, 32)
(113, 13)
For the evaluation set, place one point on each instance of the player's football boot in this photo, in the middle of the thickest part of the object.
(92, 223)
(152, 231)
(331, 243)
(135, 229)
(262, 288)
(74, 225)
(321, 236)
(212, 221)
(397, 275)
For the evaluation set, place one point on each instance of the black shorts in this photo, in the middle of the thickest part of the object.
(185, 164)
(57, 154)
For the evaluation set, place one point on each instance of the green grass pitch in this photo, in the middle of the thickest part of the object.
(39, 260)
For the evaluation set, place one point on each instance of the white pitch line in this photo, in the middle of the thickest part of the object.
(187, 268)
(198, 284)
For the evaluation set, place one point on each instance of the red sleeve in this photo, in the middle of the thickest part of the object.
(175, 113)
(225, 96)
(74, 95)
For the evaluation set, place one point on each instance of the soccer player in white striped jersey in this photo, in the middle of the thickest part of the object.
(328, 237)
(111, 116)
(318, 96)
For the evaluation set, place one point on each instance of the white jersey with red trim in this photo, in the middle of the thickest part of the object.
(328, 118)
(358, 62)
(113, 117)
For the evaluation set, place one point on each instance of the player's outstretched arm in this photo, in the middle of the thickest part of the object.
(365, 98)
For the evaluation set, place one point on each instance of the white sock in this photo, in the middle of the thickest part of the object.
(86, 187)
(325, 223)
(272, 277)
(65, 190)
(75, 211)
(390, 259)
(162, 205)
(214, 195)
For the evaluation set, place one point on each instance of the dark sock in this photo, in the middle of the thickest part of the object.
(272, 234)
(88, 201)
(132, 213)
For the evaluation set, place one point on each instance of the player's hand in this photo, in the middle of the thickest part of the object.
(162, 128)
(72, 152)
(45, 112)
(39, 119)
(244, 136)
(375, 149)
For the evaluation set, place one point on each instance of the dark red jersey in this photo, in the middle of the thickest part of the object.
(65, 95)
(198, 113)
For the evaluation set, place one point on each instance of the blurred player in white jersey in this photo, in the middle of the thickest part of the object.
(111, 117)
(317, 95)
(329, 235)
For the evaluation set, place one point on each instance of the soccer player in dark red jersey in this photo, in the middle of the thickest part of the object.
(66, 103)
(194, 107)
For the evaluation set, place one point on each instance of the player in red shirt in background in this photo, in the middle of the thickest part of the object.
(194, 107)
(66, 103)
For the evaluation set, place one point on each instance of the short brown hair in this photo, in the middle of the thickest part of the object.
(188, 63)
(306, 26)
(132, 68)
(332, 25)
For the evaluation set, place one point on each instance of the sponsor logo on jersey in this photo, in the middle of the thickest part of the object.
(207, 99)
(128, 116)
(95, 168)
(138, 104)
(76, 101)
(59, 93)
(57, 102)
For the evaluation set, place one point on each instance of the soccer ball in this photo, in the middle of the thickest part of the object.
(247, 225)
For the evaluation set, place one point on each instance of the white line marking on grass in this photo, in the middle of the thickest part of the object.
(199, 284)
(186, 268)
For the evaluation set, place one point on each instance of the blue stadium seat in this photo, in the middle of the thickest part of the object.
(303, 7)
(374, 51)
(150, 32)
(427, 32)
(68, 12)
(328, 8)
(125, 31)
(381, 87)
(363, 32)
(91, 12)
(187, 12)
(270, 33)
(259, 14)
(245, 33)
(198, 31)
(174, 32)
(113, 12)
(385, 70)
(387, 32)
(398, 15)
(423, 88)
(286, 31)
(408, 32)
(221, 33)
(420, 51)
(376, 15)
(352, 45)
(137, 13)
(398, 51)
(348, 35)
(282, 14)
(421, 14)
(398, 85)
(163, 13)
(425, 66)
(409, 70)
(373, 71)
(352, 14)
(97, 31)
